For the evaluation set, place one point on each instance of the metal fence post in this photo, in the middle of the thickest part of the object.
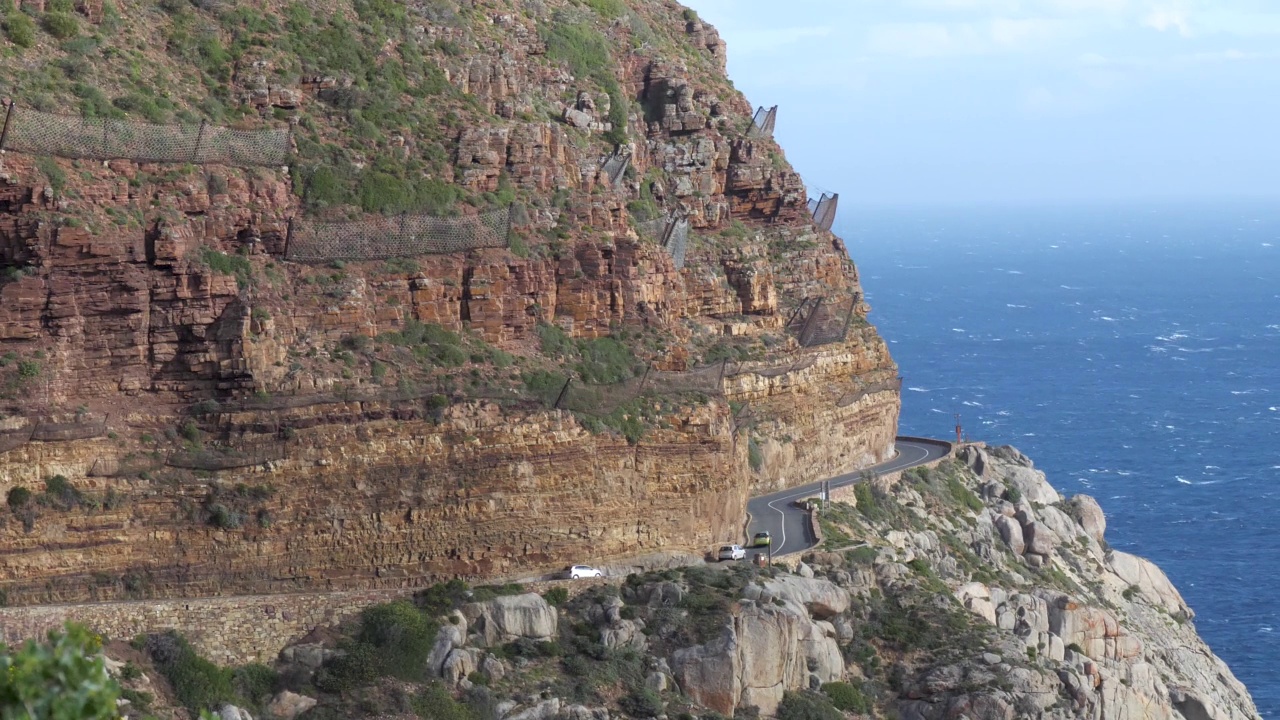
(8, 118)
(195, 154)
(560, 397)
(288, 238)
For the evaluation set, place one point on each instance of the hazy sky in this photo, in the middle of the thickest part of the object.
(890, 101)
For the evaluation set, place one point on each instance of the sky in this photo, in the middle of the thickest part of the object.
(1015, 101)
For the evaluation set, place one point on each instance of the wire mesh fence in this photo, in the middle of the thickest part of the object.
(672, 233)
(82, 428)
(762, 124)
(602, 400)
(41, 133)
(383, 238)
(824, 210)
(854, 395)
(615, 165)
(822, 321)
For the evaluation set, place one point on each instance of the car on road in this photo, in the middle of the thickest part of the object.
(577, 572)
(731, 552)
(761, 539)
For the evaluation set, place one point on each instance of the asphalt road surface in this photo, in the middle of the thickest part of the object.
(787, 523)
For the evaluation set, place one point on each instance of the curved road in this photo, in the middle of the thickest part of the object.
(778, 514)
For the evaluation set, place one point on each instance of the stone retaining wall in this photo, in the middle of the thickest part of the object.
(227, 630)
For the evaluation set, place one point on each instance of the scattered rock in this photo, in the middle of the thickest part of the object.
(287, 705)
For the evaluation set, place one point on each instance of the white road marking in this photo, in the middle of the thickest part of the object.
(924, 453)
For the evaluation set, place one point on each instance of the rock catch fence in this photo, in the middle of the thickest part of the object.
(672, 233)
(383, 238)
(822, 321)
(824, 210)
(41, 133)
(763, 123)
(615, 166)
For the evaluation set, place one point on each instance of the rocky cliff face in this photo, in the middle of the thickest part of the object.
(924, 603)
(187, 412)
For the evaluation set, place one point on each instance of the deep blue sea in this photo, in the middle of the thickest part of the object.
(1133, 352)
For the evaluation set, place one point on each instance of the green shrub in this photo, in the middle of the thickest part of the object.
(61, 25)
(59, 493)
(435, 703)
(223, 517)
(865, 555)
(807, 706)
(605, 361)
(392, 640)
(18, 496)
(643, 703)
(441, 598)
(554, 342)
(19, 28)
(755, 456)
(197, 683)
(556, 596)
(64, 678)
(846, 697)
(608, 8)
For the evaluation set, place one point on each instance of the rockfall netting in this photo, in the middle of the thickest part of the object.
(763, 123)
(41, 133)
(615, 165)
(822, 321)
(672, 233)
(824, 210)
(856, 394)
(383, 238)
(605, 399)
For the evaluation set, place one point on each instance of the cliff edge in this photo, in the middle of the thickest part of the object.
(525, 285)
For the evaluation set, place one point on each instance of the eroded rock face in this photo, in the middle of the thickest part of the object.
(764, 652)
(504, 619)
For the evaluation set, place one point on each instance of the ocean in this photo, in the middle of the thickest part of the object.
(1133, 352)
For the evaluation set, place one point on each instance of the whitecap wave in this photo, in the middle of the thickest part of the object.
(918, 389)
(1182, 480)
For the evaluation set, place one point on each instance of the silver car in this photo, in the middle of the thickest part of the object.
(577, 572)
(731, 552)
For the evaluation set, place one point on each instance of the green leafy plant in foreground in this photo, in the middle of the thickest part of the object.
(62, 679)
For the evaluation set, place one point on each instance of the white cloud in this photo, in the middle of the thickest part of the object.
(922, 40)
(1169, 19)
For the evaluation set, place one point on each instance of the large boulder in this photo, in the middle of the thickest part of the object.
(764, 652)
(1090, 516)
(1040, 538)
(1151, 582)
(460, 663)
(504, 619)
(1011, 532)
(822, 598)
(448, 637)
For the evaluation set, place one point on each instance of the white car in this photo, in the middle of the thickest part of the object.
(576, 572)
(731, 552)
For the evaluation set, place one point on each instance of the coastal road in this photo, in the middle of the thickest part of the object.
(789, 525)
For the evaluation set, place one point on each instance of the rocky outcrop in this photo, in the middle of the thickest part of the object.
(1101, 627)
(504, 619)
(765, 652)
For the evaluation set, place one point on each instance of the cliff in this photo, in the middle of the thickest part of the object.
(189, 408)
(968, 590)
